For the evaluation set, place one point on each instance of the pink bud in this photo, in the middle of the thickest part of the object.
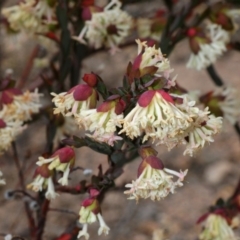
(137, 62)
(88, 11)
(81, 92)
(166, 96)
(146, 98)
(43, 171)
(191, 32)
(90, 79)
(106, 106)
(65, 154)
(153, 161)
(8, 95)
(120, 106)
(94, 192)
(2, 124)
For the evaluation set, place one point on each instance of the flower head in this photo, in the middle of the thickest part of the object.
(103, 121)
(43, 180)
(156, 116)
(106, 28)
(30, 16)
(217, 228)
(78, 98)
(9, 130)
(153, 180)
(206, 46)
(151, 28)
(62, 160)
(89, 213)
(223, 102)
(20, 106)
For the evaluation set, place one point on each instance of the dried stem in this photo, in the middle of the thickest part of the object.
(28, 66)
(30, 218)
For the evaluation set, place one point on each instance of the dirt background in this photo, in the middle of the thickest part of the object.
(213, 173)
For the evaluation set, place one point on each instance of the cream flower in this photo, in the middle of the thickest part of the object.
(217, 228)
(80, 97)
(20, 106)
(29, 16)
(156, 116)
(9, 130)
(153, 180)
(206, 50)
(103, 121)
(152, 57)
(90, 213)
(107, 28)
(62, 160)
(228, 102)
(43, 180)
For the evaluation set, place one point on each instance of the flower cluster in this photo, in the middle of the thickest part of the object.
(107, 27)
(63, 161)
(216, 227)
(151, 28)
(154, 180)
(223, 102)
(206, 45)
(89, 213)
(17, 108)
(31, 16)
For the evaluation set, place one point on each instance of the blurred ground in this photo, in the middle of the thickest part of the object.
(213, 173)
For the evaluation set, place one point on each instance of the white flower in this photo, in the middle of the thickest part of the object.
(153, 181)
(8, 237)
(209, 48)
(43, 180)
(156, 116)
(9, 130)
(103, 121)
(22, 106)
(229, 103)
(29, 16)
(217, 228)
(62, 160)
(80, 97)
(152, 57)
(90, 213)
(107, 28)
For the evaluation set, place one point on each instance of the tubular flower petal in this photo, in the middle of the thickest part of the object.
(207, 50)
(107, 28)
(62, 160)
(80, 97)
(217, 228)
(153, 181)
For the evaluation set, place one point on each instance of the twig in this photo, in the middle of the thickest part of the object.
(31, 221)
(28, 67)
(63, 211)
(214, 76)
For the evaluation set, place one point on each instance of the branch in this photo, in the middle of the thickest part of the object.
(214, 76)
(30, 218)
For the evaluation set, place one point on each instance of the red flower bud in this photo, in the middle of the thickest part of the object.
(65, 154)
(81, 92)
(90, 79)
(8, 95)
(43, 171)
(2, 124)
